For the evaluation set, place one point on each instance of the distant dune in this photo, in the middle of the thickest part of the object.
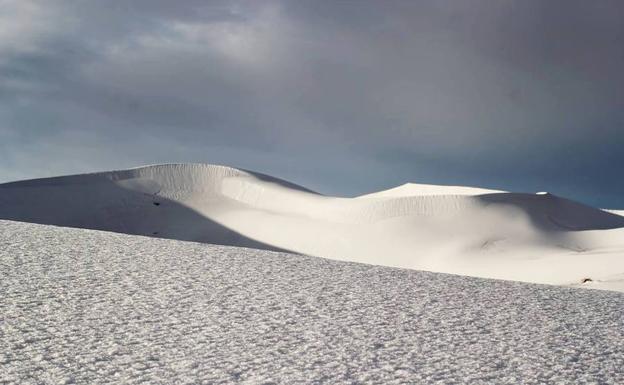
(462, 230)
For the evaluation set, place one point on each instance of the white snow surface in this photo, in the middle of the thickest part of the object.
(92, 307)
(531, 237)
(414, 189)
(617, 212)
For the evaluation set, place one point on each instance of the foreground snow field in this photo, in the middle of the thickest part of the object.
(85, 307)
(540, 238)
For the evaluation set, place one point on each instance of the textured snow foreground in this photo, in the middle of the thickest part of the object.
(84, 306)
(540, 238)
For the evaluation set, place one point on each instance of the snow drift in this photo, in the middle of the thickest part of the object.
(528, 237)
(94, 307)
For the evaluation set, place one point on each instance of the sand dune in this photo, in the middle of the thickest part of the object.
(463, 230)
(93, 307)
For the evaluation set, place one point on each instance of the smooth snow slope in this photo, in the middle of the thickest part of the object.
(90, 307)
(527, 237)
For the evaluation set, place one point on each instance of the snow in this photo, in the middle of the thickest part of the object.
(616, 212)
(540, 238)
(90, 307)
(411, 189)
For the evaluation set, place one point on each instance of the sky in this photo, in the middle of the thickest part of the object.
(343, 97)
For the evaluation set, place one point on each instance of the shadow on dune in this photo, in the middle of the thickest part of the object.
(97, 202)
(280, 182)
(552, 213)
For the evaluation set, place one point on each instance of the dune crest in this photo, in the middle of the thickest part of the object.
(462, 230)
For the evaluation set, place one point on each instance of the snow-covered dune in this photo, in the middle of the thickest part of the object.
(616, 212)
(92, 307)
(487, 233)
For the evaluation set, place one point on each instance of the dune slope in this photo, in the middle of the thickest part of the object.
(92, 307)
(486, 233)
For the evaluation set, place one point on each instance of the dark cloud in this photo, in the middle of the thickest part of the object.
(344, 97)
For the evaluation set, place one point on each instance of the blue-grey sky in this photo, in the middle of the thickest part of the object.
(344, 97)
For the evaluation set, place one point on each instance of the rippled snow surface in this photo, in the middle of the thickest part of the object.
(87, 307)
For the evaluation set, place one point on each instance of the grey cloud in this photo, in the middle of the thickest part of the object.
(513, 94)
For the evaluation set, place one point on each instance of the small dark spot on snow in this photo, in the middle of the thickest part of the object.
(585, 280)
(156, 203)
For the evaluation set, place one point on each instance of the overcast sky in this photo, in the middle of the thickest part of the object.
(344, 97)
